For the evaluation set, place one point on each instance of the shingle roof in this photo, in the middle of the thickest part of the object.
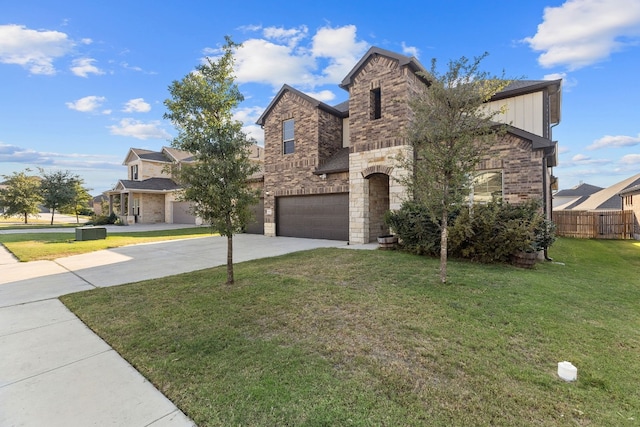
(608, 198)
(339, 162)
(151, 184)
(579, 190)
(629, 190)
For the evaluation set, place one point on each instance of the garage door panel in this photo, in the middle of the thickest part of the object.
(256, 225)
(323, 216)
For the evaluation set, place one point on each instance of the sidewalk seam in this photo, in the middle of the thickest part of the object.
(58, 367)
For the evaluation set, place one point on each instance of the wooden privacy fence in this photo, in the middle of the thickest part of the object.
(594, 225)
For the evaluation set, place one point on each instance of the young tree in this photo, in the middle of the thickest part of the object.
(450, 132)
(21, 196)
(57, 189)
(80, 201)
(201, 108)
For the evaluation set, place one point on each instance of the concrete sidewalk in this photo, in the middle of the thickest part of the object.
(54, 371)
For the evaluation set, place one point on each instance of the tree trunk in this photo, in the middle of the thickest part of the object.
(229, 252)
(25, 217)
(444, 235)
(53, 211)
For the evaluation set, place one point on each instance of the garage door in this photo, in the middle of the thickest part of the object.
(256, 226)
(181, 213)
(323, 216)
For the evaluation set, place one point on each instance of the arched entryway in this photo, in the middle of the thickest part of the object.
(378, 204)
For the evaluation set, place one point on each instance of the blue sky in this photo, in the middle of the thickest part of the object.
(82, 82)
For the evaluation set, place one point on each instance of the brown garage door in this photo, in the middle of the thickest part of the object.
(256, 226)
(324, 216)
(181, 214)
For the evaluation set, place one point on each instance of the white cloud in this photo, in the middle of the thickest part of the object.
(29, 157)
(88, 104)
(410, 50)
(291, 36)
(342, 50)
(582, 32)
(324, 95)
(282, 56)
(139, 130)
(32, 49)
(582, 160)
(630, 159)
(137, 105)
(82, 67)
(261, 61)
(248, 116)
(610, 141)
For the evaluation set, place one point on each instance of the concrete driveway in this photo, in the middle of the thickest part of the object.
(54, 371)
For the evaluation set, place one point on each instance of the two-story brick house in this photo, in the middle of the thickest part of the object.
(331, 171)
(151, 195)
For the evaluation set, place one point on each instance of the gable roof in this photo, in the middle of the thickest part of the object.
(314, 103)
(177, 155)
(579, 191)
(403, 61)
(143, 154)
(608, 198)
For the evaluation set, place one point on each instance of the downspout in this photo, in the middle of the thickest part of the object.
(547, 189)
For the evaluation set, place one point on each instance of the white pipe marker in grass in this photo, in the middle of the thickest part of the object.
(567, 371)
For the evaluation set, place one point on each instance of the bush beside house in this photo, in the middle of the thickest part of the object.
(487, 233)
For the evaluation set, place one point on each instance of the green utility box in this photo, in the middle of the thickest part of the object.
(90, 233)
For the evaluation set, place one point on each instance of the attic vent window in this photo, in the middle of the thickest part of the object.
(134, 172)
(375, 104)
(288, 139)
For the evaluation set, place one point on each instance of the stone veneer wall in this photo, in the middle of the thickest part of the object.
(318, 135)
(360, 166)
(376, 142)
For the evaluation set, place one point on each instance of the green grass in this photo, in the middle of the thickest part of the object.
(336, 337)
(46, 246)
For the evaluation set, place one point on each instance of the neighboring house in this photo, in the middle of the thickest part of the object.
(606, 199)
(330, 171)
(98, 202)
(150, 194)
(631, 201)
(565, 199)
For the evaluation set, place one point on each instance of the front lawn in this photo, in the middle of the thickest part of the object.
(43, 246)
(336, 337)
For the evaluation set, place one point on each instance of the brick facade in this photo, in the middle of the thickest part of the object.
(317, 136)
(379, 87)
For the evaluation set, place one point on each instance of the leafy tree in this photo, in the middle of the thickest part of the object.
(80, 201)
(450, 132)
(58, 189)
(201, 108)
(21, 196)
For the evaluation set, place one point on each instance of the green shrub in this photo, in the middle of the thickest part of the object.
(494, 231)
(104, 219)
(417, 232)
(488, 233)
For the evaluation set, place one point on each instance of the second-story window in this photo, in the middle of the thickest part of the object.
(288, 139)
(134, 172)
(375, 104)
